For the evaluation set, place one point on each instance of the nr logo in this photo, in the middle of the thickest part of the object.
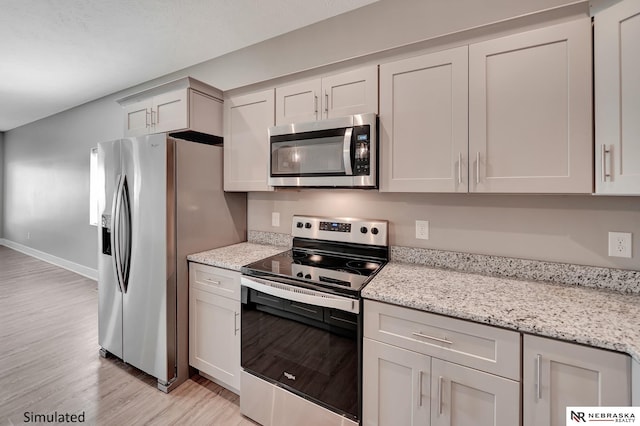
(577, 416)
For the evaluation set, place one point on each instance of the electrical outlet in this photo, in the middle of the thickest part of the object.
(422, 229)
(275, 219)
(620, 244)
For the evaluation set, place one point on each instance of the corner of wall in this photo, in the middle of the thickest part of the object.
(1, 185)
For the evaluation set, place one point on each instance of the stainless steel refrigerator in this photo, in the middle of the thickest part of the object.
(162, 199)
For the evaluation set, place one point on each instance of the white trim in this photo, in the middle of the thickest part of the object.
(63, 263)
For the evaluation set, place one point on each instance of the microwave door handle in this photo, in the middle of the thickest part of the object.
(346, 152)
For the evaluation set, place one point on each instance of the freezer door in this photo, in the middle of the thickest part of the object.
(109, 293)
(148, 326)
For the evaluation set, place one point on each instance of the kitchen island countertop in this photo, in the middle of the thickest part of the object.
(596, 317)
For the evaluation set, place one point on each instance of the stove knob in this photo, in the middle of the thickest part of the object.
(308, 276)
(307, 225)
(374, 231)
(299, 275)
(363, 229)
(299, 225)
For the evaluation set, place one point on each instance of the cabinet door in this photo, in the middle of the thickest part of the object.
(214, 336)
(247, 120)
(463, 396)
(617, 98)
(353, 92)
(170, 111)
(395, 386)
(298, 102)
(137, 118)
(530, 111)
(559, 374)
(424, 123)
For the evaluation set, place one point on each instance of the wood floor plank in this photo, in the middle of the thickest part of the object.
(49, 359)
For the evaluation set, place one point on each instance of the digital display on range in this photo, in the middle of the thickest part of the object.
(335, 226)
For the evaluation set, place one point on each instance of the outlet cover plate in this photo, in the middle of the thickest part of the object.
(275, 219)
(422, 229)
(620, 244)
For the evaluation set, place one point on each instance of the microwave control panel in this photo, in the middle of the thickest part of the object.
(361, 164)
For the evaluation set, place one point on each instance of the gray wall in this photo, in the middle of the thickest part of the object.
(47, 180)
(558, 228)
(46, 177)
(1, 183)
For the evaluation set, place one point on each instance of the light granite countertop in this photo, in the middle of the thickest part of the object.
(603, 311)
(235, 256)
(597, 317)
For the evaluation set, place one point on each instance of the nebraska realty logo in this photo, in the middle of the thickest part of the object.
(580, 415)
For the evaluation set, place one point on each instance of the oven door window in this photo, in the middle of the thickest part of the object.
(321, 153)
(310, 350)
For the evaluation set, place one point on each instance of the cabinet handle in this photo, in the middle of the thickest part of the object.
(459, 168)
(538, 373)
(326, 104)
(153, 123)
(477, 168)
(146, 117)
(212, 281)
(440, 385)
(420, 373)
(605, 151)
(315, 100)
(235, 323)
(437, 339)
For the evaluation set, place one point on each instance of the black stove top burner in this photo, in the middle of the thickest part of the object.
(342, 272)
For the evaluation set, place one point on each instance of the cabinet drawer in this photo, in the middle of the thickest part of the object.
(482, 347)
(215, 280)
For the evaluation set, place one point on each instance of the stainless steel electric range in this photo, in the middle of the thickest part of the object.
(301, 319)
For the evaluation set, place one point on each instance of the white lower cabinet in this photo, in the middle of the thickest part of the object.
(214, 324)
(395, 385)
(408, 378)
(557, 375)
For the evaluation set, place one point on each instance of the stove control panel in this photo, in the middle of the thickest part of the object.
(350, 230)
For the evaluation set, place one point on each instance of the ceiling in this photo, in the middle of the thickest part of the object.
(57, 54)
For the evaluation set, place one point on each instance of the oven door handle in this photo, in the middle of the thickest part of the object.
(302, 295)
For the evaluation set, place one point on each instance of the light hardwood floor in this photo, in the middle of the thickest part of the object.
(49, 359)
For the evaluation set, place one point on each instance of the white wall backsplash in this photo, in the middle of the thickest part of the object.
(554, 228)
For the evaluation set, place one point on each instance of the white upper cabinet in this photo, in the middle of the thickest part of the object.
(617, 98)
(352, 92)
(180, 105)
(530, 111)
(424, 123)
(247, 119)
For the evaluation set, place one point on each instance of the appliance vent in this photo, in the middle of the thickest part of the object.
(301, 290)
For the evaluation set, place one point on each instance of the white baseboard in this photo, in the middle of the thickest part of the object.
(58, 261)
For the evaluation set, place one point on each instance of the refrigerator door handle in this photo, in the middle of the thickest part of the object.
(115, 231)
(125, 254)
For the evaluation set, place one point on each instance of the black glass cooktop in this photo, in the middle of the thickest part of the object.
(333, 271)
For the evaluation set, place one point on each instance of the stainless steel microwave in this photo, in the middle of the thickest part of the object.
(337, 152)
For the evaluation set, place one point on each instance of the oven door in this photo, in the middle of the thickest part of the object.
(304, 341)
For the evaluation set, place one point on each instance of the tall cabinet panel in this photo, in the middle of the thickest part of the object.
(530, 111)
(557, 375)
(396, 385)
(424, 123)
(247, 120)
(617, 98)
